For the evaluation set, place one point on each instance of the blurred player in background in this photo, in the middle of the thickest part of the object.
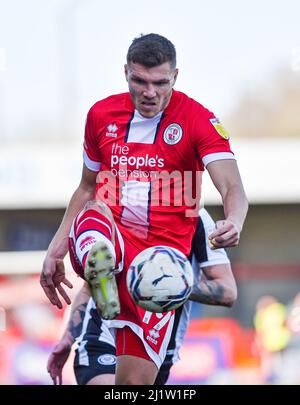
(137, 144)
(95, 359)
(272, 335)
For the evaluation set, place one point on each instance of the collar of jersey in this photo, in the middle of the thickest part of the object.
(139, 117)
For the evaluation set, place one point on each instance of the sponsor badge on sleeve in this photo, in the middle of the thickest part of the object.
(219, 128)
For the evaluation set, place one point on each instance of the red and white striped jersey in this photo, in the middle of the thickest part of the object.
(150, 168)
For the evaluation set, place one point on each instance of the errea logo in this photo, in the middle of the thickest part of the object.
(112, 129)
(153, 336)
(154, 333)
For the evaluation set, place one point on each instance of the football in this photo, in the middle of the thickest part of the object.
(160, 279)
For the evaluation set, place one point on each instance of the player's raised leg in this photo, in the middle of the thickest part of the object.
(93, 254)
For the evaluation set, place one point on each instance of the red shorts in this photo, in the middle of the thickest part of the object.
(153, 329)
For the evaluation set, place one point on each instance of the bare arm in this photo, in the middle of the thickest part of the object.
(226, 178)
(53, 272)
(217, 286)
(74, 326)
(61, 351)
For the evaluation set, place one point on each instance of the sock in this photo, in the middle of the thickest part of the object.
(89, 228)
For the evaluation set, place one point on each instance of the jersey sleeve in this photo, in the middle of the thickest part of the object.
(211, 138)
(203, 254)
(90, 147)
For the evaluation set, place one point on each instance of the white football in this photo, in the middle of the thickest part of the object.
(160, 279)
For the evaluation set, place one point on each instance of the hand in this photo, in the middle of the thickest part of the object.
(57, 360)
(225, 235)
(53, 274)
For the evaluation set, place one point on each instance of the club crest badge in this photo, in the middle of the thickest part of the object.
(173, 134)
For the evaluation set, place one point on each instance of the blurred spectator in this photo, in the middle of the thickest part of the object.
(272, 336)
(291, 370)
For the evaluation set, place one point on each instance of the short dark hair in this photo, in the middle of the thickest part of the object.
(152, 50)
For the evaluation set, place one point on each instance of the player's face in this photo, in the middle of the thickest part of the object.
(150, 88)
